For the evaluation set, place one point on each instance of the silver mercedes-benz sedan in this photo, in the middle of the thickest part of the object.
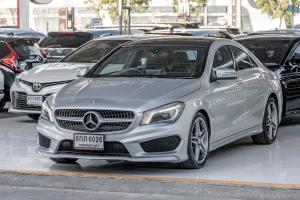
(162, 100)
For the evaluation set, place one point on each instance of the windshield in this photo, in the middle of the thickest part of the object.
(93, 51)
(154, 61)
(25, 49)
(65, 41)
(269, 52)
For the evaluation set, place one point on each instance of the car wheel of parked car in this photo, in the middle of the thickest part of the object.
(2, 103)
(270, 124)
(33, 116)
(198, 144)
(64, 160)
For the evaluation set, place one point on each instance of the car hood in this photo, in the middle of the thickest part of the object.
(124, 92)
(54, 72)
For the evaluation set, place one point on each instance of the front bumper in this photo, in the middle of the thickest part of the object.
(130, 139)
(20, 105)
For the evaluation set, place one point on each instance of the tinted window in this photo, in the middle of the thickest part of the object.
(223, 59)
(65, 40)
(25, 49)
(93, 51)
(4, 51)
(154, 61)
(269, 51)
(242, 60)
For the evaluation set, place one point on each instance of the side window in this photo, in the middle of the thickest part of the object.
(4, 51)
(242, 59)
(223, 59)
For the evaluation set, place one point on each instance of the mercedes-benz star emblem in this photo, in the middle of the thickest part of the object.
(36, 87)
(91, 120)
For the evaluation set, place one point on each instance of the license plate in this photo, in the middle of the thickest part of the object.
(89, 142)
(35, 100)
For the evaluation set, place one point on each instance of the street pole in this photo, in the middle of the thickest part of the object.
(120, 6)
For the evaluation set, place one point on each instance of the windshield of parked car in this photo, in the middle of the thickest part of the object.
(65, 40)
(26, 49)
(154, 62)
(269, 51)
(93, 51)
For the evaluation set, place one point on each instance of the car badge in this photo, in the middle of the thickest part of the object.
(36, 87)
(91, 120)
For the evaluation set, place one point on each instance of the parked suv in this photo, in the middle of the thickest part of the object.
(281, 54)
(32, 87)
(162, 100)
(56, 45)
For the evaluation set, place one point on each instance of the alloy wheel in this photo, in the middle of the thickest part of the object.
(199, 140)
(271, 120)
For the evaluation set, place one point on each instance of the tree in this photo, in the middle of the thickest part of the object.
(276, 9)
(99, 6)
(194, 7)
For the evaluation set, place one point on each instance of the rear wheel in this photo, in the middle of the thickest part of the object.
(33, 116)
(64, 160)
(270, 124)
(198, 144)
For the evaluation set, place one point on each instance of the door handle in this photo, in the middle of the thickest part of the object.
(240, 83)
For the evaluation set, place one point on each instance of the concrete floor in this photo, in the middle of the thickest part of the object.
(241, 161)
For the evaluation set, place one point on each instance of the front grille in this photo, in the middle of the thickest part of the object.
(110, 148)
(19, 101)
(111, 120)
(44, 141)
(46, 84)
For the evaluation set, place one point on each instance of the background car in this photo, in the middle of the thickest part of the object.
(281, 54)
(163, 100)
(14, 31)
(193, 32)
(2, 101)
(20, 53)
(32, 87)
(56, 45)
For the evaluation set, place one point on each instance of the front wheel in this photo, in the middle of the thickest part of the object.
(64, 160)
(198, 144)
(270, 124)
(2, 103)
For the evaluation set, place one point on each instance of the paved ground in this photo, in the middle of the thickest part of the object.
(242, 161)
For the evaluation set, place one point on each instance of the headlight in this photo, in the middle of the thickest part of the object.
(164, 114)
(47, 113)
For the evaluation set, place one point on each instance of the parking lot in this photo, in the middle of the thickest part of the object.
(241, 161)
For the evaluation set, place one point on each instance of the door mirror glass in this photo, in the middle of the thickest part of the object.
(225, 74)
(82, 71)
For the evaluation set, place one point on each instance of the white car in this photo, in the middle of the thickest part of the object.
(32, 87)
(2, 101)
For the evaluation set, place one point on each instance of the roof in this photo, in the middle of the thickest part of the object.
(8, 38)
(17, 30)
(130, 37)
(173, 40)
(268, 37)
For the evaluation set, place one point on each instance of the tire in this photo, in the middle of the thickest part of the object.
(194, 140)
(2, 103)
(33, 116)
(64, 160)
(270, 124)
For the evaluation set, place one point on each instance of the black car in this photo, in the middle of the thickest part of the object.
(281, 54)
(14, 31)
(56, 45)
(193, 32)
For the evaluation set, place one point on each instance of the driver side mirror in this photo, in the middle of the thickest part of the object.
(225, 74)
(82, 71)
